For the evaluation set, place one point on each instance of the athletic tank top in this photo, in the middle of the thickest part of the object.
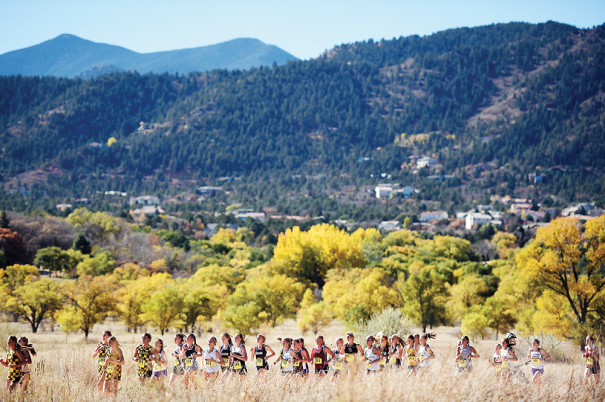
(237, 363)
(209, 365)
(296, 354)
(337, 361)
(318, 357)
(190, 356)
(506, 353)
(286, 361)
(350, 351)
(590, 361)
(465, 356)
(260, 355)
(226, 352)
(177, 352)
(302, 354)
(385, 355)
(497, 361)
(371, 356)
(395, 352)
(411, 357)
(424, 355)
(159, 366)
(536, 360)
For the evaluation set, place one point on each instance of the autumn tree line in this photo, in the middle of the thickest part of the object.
(90, 266)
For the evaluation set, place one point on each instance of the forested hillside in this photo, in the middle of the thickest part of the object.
(521, 97)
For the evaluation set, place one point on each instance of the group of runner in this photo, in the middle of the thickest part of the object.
(380, 353)
(18, 359)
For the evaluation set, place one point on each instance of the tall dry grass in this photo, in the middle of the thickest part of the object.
(65, 371)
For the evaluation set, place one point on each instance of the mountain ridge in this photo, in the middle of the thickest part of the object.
(70, 56)
(511, 103)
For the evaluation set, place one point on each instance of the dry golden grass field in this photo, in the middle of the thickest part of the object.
(63, 370)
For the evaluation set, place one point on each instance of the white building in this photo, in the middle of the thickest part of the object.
(144, 200)
(478, 219)
(426, 161)
(389, 226)
(383, 191)
(433, 216)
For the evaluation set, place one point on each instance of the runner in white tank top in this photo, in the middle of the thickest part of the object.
(212, 360)
(537, 356)
(372, 355)
(425, 352)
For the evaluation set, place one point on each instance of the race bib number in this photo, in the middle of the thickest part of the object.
(589, 361)
(109, 370)
(319, 361)
(535, 361)
(157, 366)
(505, 364)
(102, 360)
(189, 362)
(296, 364)
(142, 364)
(237, 364)
(462, 363)
(284, 363)
(177, 362)
(370, 366)
(412, 360)
(209, 363)
(383, 362)
(349, 358)
(498, 368)
(337, 365)
(260, 362)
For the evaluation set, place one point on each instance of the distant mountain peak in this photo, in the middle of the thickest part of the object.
(69, 55)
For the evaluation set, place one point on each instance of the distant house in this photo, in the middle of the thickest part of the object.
(209, 190)
(261, 216)
(383, 191)
(389, 226)
(519, 207)
(433, 216)
(477, 219)
(142, 213)
(577, 208)
(407, 191)
(537, 178)
(113, 192)
(426, 161)
(144, 200)
(64, 207)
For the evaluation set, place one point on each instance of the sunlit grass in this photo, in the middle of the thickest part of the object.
(64, 370)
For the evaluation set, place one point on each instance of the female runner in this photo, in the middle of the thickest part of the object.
(226, 351)
(464, 355)
(212, 360)
(319, 356)
(142, 355)
(306, 358)
(411, 355)
(396, 349)
(260, 354)
(507, 354)
(351, 349)
(160, 362)
(189, 353)
(425, 352)
(593, 367)
(102, 351)
(285, 357)
(338, 364)
(239, 355)
(538, 356)
(385, 351)
(177, 369)
(113, 367)
(28, 351)
(15, 360)
(372, 355)
(496, 360)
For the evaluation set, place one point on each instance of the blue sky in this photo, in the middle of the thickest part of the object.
(303, 28)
